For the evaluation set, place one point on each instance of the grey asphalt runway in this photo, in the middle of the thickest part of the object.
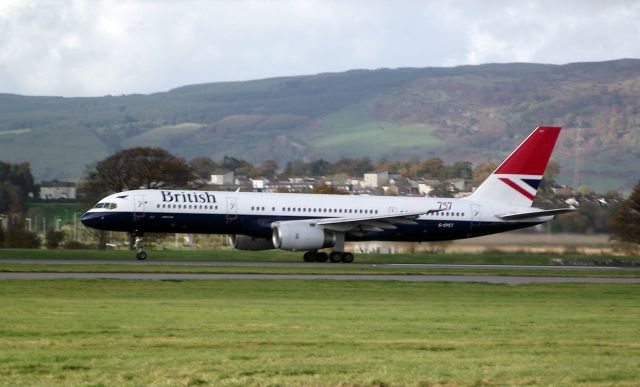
(511, 280)
(303, 264)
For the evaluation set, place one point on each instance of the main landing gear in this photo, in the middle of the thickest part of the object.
(333, 257)
(339, 255)
(141, 255)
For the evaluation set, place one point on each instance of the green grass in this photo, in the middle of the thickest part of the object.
(14, 132)
(158, 136)
(317, 333)
(355, 125)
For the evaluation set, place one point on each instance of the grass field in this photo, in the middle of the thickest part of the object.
(317, 333)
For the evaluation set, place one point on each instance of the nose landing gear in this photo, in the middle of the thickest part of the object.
(141, 255)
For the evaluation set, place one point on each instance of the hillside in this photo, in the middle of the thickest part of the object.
(474, 113)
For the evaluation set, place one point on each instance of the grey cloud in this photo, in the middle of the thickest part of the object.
(116, 47)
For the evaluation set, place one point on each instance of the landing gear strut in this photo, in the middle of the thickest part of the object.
(141, 255)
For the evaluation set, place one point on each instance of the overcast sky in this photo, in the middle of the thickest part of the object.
(100, 47)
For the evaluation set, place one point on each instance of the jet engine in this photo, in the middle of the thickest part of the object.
(246, 242)
(301, 235)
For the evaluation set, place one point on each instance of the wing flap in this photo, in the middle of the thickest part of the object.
(376, 223)
(537, 214)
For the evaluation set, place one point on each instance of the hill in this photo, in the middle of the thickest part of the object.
(474, 113)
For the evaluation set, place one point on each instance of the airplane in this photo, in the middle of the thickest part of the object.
(311, 222)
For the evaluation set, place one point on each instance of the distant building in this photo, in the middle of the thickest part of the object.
(222, 179)
(426, 186)
(53, 190)
(374, 180)
(293, 184)
(463, 185)
(260, 183)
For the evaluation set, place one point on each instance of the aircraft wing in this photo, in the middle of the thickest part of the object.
(367, 223)
(536, 214)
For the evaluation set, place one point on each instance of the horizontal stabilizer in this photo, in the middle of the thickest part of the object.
(536, 214)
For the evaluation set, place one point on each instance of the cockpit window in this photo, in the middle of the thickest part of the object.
(108, 206)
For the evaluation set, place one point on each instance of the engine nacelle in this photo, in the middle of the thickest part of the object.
(246, 242)
(301, 235)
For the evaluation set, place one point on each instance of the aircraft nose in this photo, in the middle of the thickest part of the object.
(90, 219)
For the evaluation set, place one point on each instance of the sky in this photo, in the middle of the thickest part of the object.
(112, 47)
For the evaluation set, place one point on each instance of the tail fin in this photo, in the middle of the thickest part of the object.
(517, 179)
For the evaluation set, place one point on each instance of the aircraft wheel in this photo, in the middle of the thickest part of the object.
(347, 257)
(310, 256)
(335, 257)
(141, 255)
(322, 257)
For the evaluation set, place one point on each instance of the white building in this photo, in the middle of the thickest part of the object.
(259, 183)
(426, 186)
(52, 190)
(374, 180)
(224, 179)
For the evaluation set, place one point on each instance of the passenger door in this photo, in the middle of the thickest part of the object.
(139, 207)
(232, 209)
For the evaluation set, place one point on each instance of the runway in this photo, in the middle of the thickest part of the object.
(304, 264)
(492, 279)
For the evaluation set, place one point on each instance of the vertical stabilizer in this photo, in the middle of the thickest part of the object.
(516, 180)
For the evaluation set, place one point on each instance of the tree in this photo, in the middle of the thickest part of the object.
(482, 171)
(325, 188)
(267, 168)
(54, 238)
(203, 167)
(16, 182)
(138, 168)
(135, 168)
(17, 237)
(626, 223)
